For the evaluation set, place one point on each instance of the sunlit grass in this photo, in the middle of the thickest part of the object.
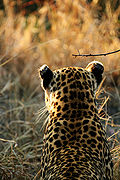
(26, 44)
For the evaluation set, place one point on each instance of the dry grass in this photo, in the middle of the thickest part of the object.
(26, 44)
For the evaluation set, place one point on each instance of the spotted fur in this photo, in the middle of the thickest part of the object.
(75, 145)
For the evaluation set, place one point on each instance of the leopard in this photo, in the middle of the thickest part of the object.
(75, 145)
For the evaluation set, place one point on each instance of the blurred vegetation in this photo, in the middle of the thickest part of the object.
(34, 32)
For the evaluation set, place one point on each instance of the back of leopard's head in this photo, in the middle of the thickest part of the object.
(70, 92)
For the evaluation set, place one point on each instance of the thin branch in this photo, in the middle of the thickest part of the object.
(102, 54)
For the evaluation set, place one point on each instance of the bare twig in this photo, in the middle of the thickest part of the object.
(102, 54)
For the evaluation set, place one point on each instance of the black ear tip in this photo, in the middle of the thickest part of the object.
(95, 67)
(45, 72)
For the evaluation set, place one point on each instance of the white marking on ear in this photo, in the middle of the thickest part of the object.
(45, 67)
(89, 66)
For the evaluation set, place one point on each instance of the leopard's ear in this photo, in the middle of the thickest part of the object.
(46, 75)
(97, 69)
